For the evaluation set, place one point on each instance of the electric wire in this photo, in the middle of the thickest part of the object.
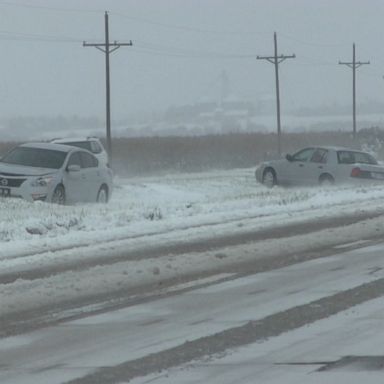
(188, 28)
(162, 49)
(49, 8)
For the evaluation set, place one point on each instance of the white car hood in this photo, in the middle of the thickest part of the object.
(20, 170)
(274, 162)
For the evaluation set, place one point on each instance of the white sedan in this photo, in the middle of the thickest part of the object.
(320, 165)
(55, 173)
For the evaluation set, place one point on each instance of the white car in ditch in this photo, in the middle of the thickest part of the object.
(54, 173)
(320, 165)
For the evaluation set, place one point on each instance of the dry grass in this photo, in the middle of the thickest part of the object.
(153, 155)
(132, 156)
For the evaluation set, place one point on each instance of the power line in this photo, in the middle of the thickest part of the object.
(49, 8)
(354, 65)
(190, 53)
(107, 47)
(311, 43)
(20, 36)
(154, 52)
(276, 60)
(314, 61)
(188, 28)
(137, 19)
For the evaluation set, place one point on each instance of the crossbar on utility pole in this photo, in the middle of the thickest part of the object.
(107, 47)
(276, 60)
(354, 65)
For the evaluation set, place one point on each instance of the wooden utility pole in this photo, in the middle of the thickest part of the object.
(107, 47)
(276, 60)
(354, 65)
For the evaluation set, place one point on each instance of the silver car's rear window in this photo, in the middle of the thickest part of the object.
(351, 157)
(35, 157)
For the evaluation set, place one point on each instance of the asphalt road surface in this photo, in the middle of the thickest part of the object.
(128, 334)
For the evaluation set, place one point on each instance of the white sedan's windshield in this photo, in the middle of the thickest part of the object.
(35, 157)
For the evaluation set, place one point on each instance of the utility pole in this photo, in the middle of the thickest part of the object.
(107, 47)
(354, 65)
(276, 60)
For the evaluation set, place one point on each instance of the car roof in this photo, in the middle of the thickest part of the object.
(74, 139)
(335, 148)
(52, 146)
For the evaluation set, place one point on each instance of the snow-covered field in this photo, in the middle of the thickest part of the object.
(161, 211)
(158, 211)
(146, 206)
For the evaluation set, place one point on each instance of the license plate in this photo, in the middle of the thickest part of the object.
(5, 192)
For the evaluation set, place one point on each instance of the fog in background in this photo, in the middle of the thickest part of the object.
(180, 50)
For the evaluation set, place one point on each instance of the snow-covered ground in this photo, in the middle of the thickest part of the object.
(298, 356)
(146, 206)
(162, 211)
(80, 347)
(154, 211)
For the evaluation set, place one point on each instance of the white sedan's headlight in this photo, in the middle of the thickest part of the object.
(43, 181)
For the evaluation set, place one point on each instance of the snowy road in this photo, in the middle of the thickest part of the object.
(180, 327)
(172, 259)
(160, 230)
(345, 348)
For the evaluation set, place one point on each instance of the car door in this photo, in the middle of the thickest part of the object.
(316, 166)
(91, 177)
(74, 179)
(298, 169)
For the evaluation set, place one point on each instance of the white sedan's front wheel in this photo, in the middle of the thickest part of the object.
(58, 196)
(102, 195)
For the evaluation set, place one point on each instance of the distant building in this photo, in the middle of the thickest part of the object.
(232, 107)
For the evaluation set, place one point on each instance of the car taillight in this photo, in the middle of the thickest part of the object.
(356, 172)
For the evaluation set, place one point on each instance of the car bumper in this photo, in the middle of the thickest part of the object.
(29, 194)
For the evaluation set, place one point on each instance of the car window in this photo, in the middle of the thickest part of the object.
(95, 147)
(88, 161)
(35, 157)
(303, 155)
(345, 157)
(364, 158)
(79, 144)
(75, 159)
(319, 156)
(351, 157)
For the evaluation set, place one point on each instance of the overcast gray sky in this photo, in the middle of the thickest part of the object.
(180, 49)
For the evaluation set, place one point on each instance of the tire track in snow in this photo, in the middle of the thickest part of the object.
(185, 246)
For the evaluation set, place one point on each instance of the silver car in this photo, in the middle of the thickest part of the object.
(320, 165)
(92, 144)
(55, 173)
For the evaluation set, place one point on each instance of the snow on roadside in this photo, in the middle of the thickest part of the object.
(53, 289)
(160, 211)
(144, 206)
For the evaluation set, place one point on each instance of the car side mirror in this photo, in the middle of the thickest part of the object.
(73, 168)
(289, 157)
